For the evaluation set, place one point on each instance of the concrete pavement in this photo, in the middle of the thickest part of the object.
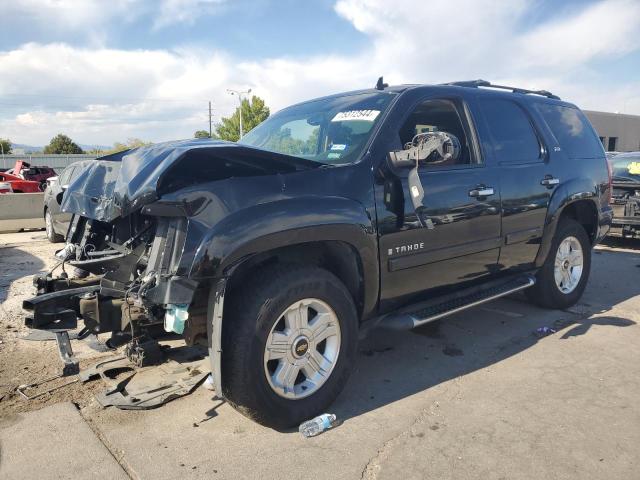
(54, 442)
(479, 395)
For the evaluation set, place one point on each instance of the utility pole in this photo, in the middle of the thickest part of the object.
(210, 131)
(239, 94)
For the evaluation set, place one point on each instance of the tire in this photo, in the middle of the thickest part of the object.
(51, 233)
(547, 292)
(256, 316)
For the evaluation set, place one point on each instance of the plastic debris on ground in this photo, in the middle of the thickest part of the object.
(317, 425)
(544, 331)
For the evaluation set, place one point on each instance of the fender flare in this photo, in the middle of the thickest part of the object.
(578, 189)
(290, 222)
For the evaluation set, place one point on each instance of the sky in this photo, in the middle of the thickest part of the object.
(103, 71)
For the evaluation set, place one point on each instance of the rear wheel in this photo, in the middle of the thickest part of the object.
(563, 277)
(51, 233)
(289, 343)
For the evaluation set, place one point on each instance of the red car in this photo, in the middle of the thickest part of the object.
(36, 174)
(10, 183)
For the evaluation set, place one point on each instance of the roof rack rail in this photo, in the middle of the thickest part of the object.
(484, 83)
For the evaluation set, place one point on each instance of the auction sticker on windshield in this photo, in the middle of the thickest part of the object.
(361, 115)
(634, 168)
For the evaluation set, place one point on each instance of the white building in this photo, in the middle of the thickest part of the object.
(618, 132)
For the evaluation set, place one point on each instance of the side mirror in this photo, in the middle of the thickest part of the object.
(430, 147)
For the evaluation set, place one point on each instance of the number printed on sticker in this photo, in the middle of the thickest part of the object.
(351, 115)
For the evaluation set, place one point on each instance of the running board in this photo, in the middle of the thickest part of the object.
(426, 312)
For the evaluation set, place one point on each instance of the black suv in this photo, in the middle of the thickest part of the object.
(388, 207)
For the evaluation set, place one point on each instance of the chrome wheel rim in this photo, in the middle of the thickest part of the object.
(47, 224)
(302, 349)
(568, 265)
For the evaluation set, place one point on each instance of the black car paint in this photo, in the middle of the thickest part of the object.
(232, 219)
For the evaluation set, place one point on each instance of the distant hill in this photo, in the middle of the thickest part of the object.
(32, 149)
(26, 148)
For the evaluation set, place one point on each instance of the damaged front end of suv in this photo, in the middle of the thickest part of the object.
(138, 258)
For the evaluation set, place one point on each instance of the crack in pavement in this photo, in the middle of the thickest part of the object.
(373, 466)
(117, 455)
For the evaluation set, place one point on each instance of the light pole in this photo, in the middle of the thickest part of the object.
(239, 94)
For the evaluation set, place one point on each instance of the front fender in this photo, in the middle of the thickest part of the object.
(575, 190)
(286, 222)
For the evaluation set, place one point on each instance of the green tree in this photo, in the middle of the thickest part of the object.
(201, 134)
(61, 144)
(254, 112)
(5, 145)
(128, 145)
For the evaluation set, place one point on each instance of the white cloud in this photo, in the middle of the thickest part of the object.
(185, 11)
(92, 17)
(102, 95)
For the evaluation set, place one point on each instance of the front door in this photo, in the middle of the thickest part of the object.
(460, 238)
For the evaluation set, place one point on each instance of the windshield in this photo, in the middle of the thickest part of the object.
(332, 130)
(626, 169)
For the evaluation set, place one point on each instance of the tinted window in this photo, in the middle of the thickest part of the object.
(512, 134)
(438, 116)
(572, 130)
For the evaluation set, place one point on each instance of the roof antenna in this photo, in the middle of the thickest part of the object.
(381, 85)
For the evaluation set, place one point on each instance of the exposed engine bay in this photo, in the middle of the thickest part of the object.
(139, 221)
(113, 276)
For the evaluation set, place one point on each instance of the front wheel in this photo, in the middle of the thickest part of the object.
(563, 277)
(51, 233)
(289, 343)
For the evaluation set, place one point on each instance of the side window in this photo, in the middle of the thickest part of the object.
(438, 116)
(572, 130)
(77, 170)
(512, 135)
(65, 176)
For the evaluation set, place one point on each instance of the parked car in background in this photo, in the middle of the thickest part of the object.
(38, 174)
(625, 170)
(56, 221)
(12, 184)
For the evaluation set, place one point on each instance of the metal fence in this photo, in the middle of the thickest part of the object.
(57, 162)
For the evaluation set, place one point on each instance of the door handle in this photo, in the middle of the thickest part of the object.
(549, 181)
(481, 192)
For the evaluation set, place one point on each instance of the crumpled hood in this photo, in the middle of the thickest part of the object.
(118, 184)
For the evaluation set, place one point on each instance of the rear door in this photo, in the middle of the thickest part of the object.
(462, 205)
(527, 177)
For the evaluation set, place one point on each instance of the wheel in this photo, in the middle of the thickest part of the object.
(563, 277)
(289, 343)
(51, 233)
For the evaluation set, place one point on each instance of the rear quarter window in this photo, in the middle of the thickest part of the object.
(572, 130)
